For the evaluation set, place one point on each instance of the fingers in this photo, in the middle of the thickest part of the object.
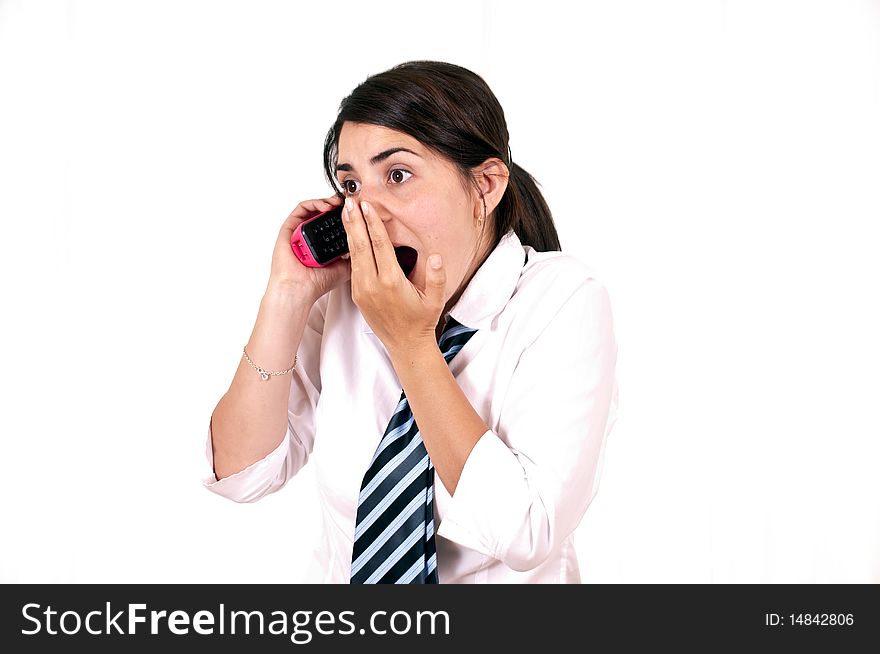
(360, 246)
(308, 208)
(383, 250)
(321, 204)
(435, 282)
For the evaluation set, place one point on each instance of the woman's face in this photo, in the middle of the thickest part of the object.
(419, 197)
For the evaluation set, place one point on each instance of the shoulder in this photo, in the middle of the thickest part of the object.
(553, 287)
(556, 276)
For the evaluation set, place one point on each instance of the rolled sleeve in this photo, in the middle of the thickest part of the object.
(260, 478)
(525, 488)
(273, 471)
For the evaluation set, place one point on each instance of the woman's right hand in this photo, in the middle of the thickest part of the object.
(288, 274)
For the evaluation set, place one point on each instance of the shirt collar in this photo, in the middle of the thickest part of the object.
(492, 285)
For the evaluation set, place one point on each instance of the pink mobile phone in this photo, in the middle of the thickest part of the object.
(320, 240)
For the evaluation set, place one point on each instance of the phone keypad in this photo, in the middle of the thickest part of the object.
(330, 238)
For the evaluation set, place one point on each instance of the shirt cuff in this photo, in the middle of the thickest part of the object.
(258, 479)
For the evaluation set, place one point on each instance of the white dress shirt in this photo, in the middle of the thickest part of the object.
(540, 371)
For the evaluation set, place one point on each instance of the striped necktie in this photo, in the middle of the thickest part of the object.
(394, 531)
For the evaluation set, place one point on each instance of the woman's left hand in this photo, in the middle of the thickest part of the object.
(402, 316)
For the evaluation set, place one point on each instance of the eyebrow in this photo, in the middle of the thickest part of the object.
(382, 156)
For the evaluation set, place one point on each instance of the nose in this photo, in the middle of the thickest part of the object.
(374, 195)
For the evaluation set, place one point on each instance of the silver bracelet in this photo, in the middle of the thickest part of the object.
(264, 374)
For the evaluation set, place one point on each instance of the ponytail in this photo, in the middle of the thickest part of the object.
(523, 209)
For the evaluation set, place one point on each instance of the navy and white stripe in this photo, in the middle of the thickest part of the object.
(394, 532)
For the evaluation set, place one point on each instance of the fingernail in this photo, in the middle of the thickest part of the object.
(348, 204)
(365, 208)
(435, 261)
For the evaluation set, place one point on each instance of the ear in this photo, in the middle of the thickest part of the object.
(491, 178)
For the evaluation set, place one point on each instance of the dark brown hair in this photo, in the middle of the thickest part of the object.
(452, 111)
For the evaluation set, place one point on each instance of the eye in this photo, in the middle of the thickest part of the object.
(346, 188)
(402, 172)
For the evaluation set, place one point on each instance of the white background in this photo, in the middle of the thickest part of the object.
(716, 163)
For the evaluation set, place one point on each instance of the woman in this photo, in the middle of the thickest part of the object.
(455, 370)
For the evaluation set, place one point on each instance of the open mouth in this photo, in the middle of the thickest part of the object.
(406, 258)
